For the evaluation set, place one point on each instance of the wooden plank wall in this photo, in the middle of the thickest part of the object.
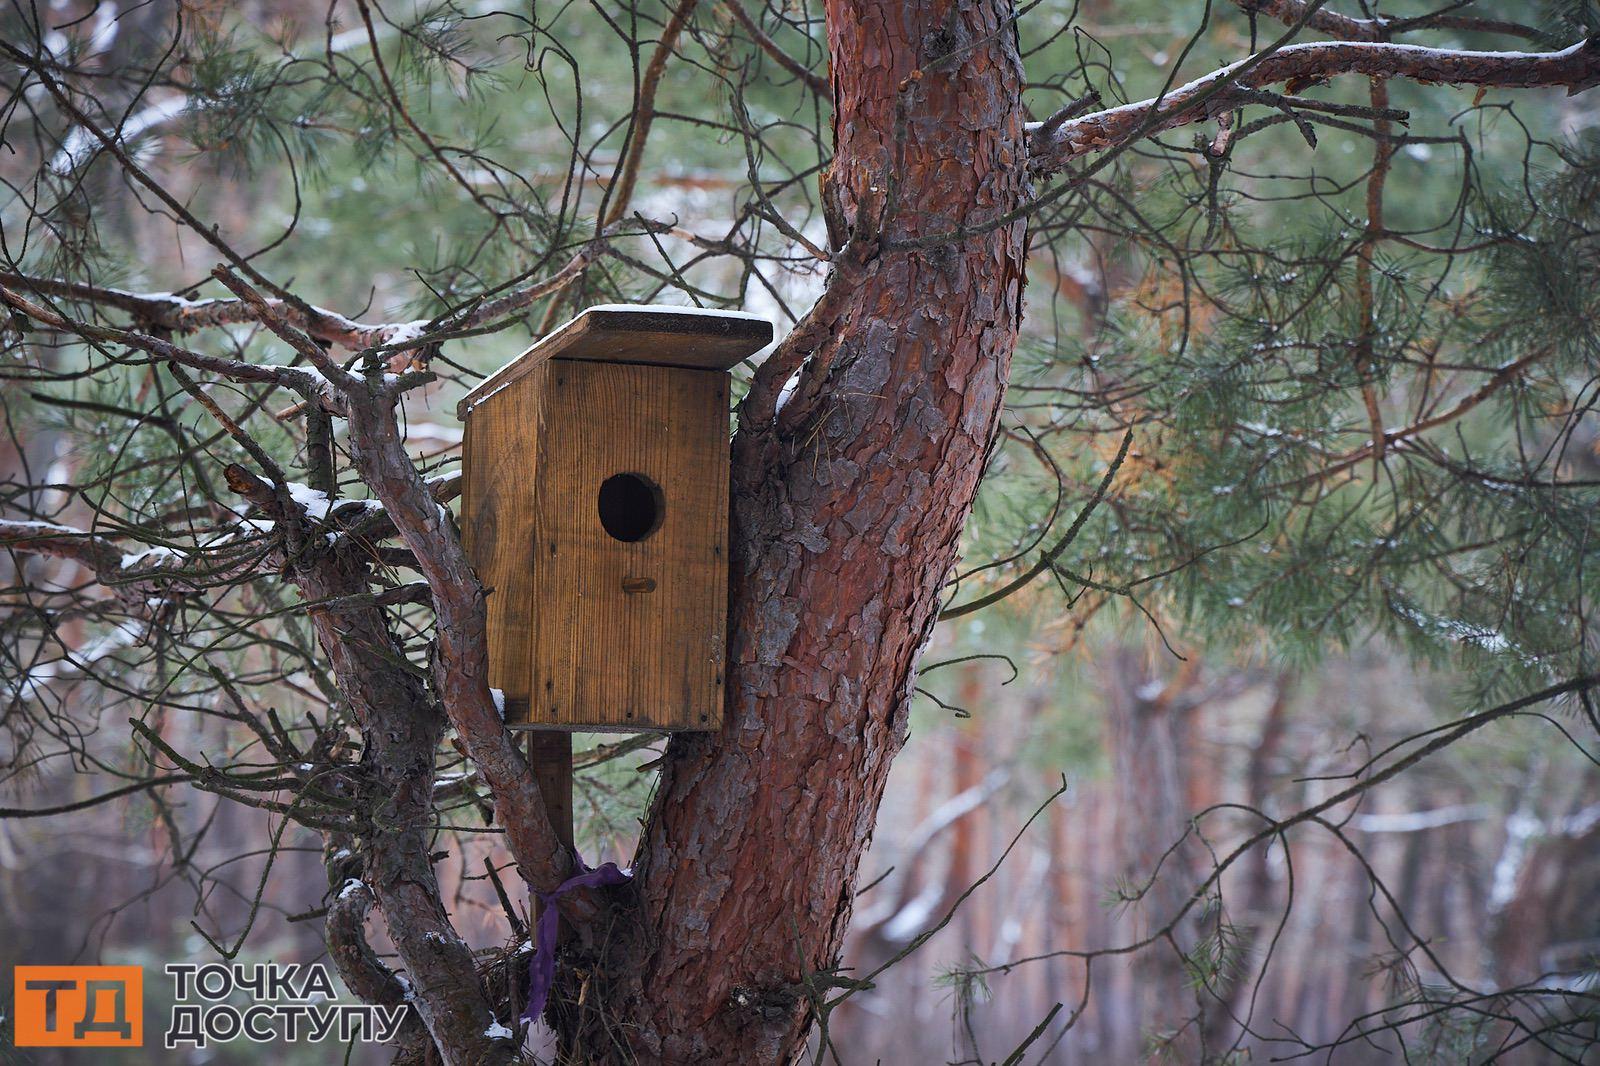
(497, 515)
(605, 654)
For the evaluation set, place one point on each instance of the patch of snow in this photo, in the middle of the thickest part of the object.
(1456, 630)
(244, 529)
(315, 501)
(326, 387)
(1520, 828)
(161, 555)
(1579, 824)
(406, 332)
(499, 697)
(787, 390)
(346, 508)
(125, 634)
(915, 916)
(496, 1031)
(351, 887)
(44, 529)
(105, 28)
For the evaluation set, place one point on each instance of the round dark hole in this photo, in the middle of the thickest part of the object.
(630, 506)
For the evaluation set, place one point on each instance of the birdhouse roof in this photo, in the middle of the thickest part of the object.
(694, 338)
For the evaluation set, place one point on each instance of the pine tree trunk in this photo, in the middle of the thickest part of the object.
(847, 513)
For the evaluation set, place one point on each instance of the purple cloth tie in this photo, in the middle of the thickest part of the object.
(542, 967)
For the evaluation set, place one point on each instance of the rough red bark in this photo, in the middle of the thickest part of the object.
(847, 511)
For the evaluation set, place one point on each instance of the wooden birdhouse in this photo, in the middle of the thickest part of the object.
(595, 509)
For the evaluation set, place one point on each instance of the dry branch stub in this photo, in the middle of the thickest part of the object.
(595, 509)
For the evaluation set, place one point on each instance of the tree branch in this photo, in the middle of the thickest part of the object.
(1575, 69)
(170, 313)
(620, 191)
(811, 79)
(61, 542)
(1347, 28)
(364, 973)
(289, 377)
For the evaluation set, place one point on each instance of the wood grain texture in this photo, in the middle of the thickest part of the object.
(497, 449)
(654, 337)
(606, 654)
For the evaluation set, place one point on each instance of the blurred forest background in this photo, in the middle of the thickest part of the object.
(1149, 709)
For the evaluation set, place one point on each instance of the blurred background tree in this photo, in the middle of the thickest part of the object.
(1278, 558)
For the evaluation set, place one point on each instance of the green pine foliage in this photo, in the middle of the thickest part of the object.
(1252, 500)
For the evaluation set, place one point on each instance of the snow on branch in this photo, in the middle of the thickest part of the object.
(1302, 65)
(266, 374)
(180, 314)
(60, 542)
(1349, 28)
(170, 312)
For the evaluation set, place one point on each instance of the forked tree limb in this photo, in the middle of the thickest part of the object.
(461, 666)
(401, 729)
(233, 369)
(364, 973)
(143, 577)
(378, 447)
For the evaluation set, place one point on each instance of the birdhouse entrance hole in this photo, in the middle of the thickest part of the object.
(631, 507)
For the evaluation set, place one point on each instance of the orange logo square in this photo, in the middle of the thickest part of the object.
(78, 1006)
